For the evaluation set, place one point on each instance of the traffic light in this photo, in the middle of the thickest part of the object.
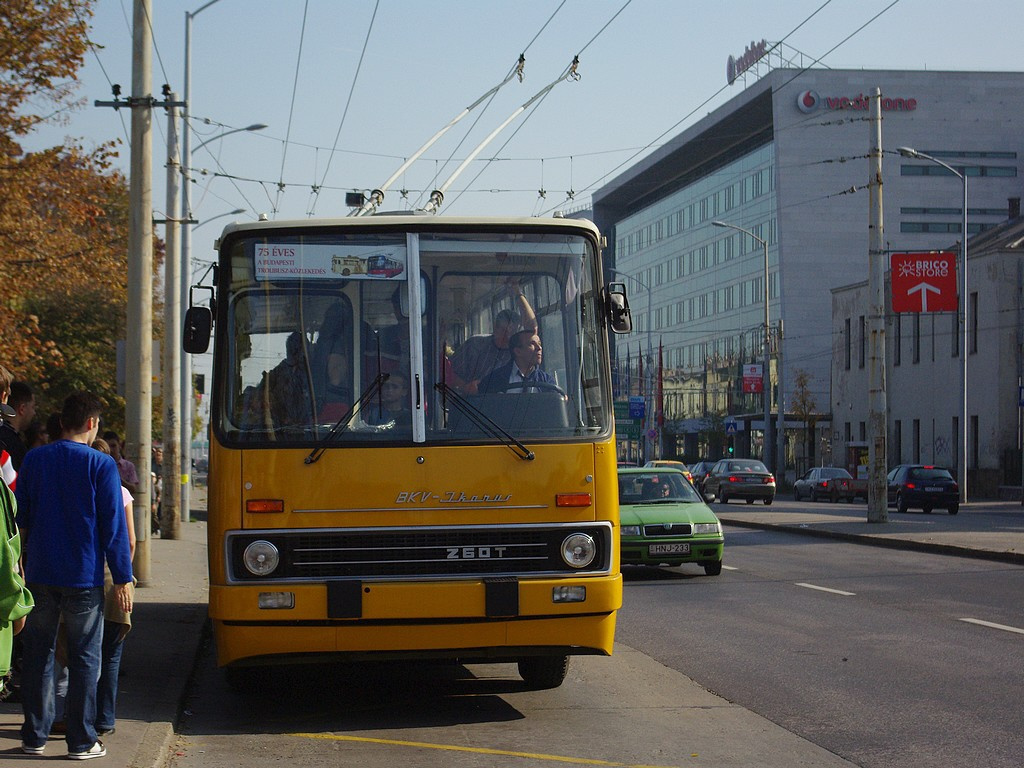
(730, 446)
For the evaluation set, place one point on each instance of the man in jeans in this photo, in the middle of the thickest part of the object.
(71, 516)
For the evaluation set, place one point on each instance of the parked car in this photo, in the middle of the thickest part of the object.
(699, 473)
(922, 486)
(664, 521)
(832, 483)
(671, 464)
(740, 479)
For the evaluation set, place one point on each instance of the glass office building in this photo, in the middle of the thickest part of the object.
(787, 161)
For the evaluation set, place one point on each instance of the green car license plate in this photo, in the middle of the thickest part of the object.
(669, 549)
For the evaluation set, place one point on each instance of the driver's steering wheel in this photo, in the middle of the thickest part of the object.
(541, 385)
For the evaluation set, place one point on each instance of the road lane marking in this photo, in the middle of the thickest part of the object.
(477, 750)
(1003, 627)
(826, 589)
(730, 568)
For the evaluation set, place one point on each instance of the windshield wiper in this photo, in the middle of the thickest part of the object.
(484, 422)
(373, 388)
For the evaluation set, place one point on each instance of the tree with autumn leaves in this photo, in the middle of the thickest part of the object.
(63, 217)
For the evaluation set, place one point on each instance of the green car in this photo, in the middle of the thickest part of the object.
(664, 521)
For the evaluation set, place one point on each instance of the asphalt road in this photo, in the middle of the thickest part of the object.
(877, 655)
(803, 652)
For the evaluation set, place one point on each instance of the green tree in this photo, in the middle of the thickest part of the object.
(805, 408)
(63, 217)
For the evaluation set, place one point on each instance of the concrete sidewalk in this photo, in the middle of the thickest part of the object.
(170, 611)
(159, 655)
(991, 530)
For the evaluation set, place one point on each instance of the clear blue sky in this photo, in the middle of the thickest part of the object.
(645, 75)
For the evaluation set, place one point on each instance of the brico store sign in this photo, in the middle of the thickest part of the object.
(809, 101)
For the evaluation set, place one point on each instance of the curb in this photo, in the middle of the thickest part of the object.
(1014, 558)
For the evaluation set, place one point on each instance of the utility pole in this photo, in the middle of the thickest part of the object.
(173, 418)
(780, 421)
(877, 404)
(138, 378)
(139, 341)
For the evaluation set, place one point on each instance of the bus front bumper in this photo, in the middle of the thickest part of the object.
(415, 619)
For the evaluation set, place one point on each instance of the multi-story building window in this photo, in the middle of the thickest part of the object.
(862, 350)
(847, 341)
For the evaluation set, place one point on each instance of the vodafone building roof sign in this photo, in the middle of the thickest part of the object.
(809, 101)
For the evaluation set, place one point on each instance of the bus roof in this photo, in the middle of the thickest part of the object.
(424, 222)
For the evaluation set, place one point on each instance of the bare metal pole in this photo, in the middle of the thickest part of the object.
(877, 404)
(964, 312)
(766, 377)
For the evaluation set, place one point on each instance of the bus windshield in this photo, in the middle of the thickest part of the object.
(366, 337)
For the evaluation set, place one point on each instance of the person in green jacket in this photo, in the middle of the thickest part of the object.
(15, 599)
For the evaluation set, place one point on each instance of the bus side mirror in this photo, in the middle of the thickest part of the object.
(617, 308)
(195, 338)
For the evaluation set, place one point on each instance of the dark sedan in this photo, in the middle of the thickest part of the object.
(922, 486)
(699, 473)
(747, 479)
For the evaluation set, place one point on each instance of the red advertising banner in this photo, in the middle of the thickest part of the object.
(923, 282)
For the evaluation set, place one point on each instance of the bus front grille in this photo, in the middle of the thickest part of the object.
(426, 552)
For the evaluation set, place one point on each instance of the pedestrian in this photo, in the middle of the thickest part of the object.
(18, 396)
(129, 475)
(15, 598)
(116, 625)
(71, 516)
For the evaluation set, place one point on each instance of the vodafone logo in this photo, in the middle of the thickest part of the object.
(807, 102)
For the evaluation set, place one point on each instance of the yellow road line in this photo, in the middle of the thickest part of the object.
(478, 750)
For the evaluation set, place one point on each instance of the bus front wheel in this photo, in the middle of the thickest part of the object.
(540, 672)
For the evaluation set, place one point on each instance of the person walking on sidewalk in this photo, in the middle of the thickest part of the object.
(71, 516)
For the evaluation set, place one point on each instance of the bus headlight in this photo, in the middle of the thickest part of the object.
(261, 558)
(579, 550)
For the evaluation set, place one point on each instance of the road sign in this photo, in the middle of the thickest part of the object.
(637, 407)
(753, 379)
(730, 426)
(923, 282)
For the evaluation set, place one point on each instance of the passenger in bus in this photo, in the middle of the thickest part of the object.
(393, 405)
(284, 391)
(389, 344)
(516, 376)
(330, 365)
(479, 355)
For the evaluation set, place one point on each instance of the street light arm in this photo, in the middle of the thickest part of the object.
(219, 136)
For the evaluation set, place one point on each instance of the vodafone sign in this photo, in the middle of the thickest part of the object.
(924, 282)
(809, 101)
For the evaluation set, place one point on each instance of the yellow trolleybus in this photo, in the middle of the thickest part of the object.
(369, 496)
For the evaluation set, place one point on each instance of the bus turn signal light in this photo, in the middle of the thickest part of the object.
(264, 505)
(572, 500)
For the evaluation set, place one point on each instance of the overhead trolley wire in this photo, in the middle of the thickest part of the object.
(291, 108)
(344, 114)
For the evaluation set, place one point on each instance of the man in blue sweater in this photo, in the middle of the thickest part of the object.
(71, 516)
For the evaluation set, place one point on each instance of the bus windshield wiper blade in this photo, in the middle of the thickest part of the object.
(484, 422)
(342, 424)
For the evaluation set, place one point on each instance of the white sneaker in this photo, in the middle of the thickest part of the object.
(32, 750)
(96, 750)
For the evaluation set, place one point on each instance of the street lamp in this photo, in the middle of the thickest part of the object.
(650, 347)
(913, 153)
(186, 254)
(765, 374)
